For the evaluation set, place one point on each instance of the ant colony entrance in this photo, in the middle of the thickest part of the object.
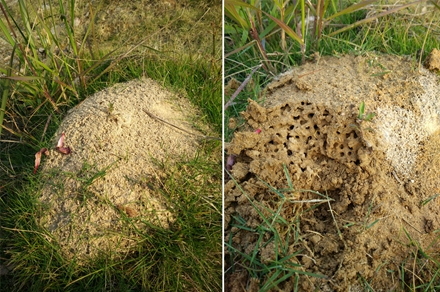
(346, 151)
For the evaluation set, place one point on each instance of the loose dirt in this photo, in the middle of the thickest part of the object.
(112, 172)
(378, 173)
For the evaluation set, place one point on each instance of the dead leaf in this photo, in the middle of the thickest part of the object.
(38, 158)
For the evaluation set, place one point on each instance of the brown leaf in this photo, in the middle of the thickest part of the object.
(64, 150)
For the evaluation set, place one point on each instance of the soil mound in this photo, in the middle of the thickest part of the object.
(378, 173)
(112, 170)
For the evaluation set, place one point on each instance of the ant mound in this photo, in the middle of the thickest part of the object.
(118, 147)
(319, 185)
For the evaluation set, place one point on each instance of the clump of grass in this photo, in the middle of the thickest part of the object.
(362, 116)
(421, 270)
(278, 234)
(50, 66)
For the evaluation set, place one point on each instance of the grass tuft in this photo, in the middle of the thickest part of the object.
(271, 260)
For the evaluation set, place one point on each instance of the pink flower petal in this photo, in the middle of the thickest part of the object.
(61, 141)
(258, 131)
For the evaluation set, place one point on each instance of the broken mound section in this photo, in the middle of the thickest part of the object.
(376, 172)
(111, 173)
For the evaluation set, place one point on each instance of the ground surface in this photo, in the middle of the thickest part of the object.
(377, 172)
(168, 26)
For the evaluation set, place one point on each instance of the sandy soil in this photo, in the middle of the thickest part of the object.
(112, 171)
(376, 172)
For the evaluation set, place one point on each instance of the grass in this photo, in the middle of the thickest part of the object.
(166, 259)
(259, 46)
(271, 260)
(36, 95)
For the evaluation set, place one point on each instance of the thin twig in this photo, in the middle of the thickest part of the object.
(336, 224)
(45, 127)
(168, 123)
(396, 177)
(240, 88)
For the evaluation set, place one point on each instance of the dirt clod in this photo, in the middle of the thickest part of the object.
(433, 60)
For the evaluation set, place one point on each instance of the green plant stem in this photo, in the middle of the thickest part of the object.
(5, 92)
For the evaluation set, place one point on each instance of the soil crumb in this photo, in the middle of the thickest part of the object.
(113, 170)
(433, 61)
(375, 172)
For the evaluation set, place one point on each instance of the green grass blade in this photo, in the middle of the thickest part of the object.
(373, 18)
(6, 33)
(280, 23)
(289, 179)
(372, 224)
(426, 201)
(361, 110)
(286, 28)
(232, 13)
(351, 9)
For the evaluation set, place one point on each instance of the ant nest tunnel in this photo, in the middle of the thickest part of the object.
(113, 170)
(341, 160)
